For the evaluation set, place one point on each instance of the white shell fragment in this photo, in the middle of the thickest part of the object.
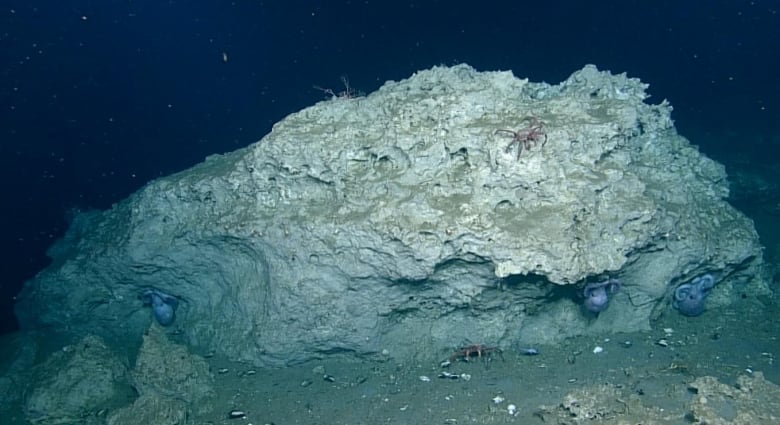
(511, 409)
(598, 349)
(448, 375)
(425, 378)
(498, 399)
(663, 343)
(236, 414)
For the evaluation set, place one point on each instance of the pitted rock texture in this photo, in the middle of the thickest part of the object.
(404, 221)
(752, 400)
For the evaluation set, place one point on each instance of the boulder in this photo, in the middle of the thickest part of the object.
(452, 206)
(77, 384)
(751, 400)
(172, 383)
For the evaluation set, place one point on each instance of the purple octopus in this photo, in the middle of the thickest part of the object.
(597, 294)
(689, 298)
(163, 305)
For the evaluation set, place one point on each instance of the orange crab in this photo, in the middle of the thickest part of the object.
(474, 350)
(533, 132)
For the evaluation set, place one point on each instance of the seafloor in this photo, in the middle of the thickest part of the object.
(638, 378)
(652, 368)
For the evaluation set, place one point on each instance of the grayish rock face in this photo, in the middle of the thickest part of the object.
(74, 383)
(453, 206)
(172, 384)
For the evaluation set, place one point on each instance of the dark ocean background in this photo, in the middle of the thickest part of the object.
(100, 97)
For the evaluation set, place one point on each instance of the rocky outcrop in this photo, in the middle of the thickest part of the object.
(752, 400)
(405, 221)
(172, 384)
(88, 383)
(77, 384)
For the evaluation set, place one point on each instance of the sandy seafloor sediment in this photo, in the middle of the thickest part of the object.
(724, 344)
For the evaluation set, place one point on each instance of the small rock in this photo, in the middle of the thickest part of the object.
(236, 414)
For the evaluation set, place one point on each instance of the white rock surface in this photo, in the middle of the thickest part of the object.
(402, 221)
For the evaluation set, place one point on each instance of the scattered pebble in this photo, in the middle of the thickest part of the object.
(663, 342)
(511, 409)
(598, 349)
(425, 378)
(223, 370)
(448, 375)
(498, 399)
(236, 414)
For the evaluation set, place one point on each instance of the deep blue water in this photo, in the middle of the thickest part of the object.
(101, 96)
